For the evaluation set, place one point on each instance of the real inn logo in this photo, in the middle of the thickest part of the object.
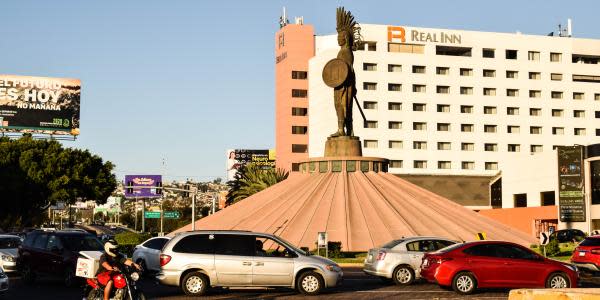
(398, 34)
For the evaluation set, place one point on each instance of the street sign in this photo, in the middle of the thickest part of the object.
(481, 236)
(152, 214)
(544, 239)
(322, 239)
(595, 232)
(171, 215)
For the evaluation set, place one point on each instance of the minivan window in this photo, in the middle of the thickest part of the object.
(231, 244)
(82, 243)
(29, 238)
(590, 242)
(54, 242)
(195, 244)
(40, 241)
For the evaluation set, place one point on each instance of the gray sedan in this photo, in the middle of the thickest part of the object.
(146, 254)
(9, 246)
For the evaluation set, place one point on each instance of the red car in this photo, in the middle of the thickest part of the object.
(494, 264)
(587, 254)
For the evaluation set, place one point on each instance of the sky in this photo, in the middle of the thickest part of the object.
(183, 81)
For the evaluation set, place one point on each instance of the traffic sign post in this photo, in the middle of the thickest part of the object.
(481, 236)
(544, 240)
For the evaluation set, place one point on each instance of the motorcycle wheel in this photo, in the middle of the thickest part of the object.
(94, 294)
(140, 296)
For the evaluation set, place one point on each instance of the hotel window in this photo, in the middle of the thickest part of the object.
(511, 54)
(512, 92)
(514, 148)
(467, 146)
(536, 112)
(533, 55)
(489, 128)
(597, 132)
(579, 113)
(555, 57)
(556, 76)
(579, 131)
(491, 165)
(443, 108)
(489, 91)
(420, 164)
(467, 127)
(369, 67)
(558, 130)
(299, 93)
(443, 126)
(489, 110)
(395, 106)
(370, 144)
(418, 69)
(299, 148)
(465, 90)
(513, 129)
(395, 164)
(419, 106)
(520, 200)
(370, 104)
(596, 97)
(299, 129)
(394, 87)
(557, 112)
(369, 86)
(394, 125)
(487, 53)
(394, 68)
(466, 72)
(466, 109)
(443, 164)
(419, 126)
(299, 111)
(512, 111)
(299, 74)
(548, 198)
(370, 124)
(442, 89)
(443, 145)
(491, 147)
(512, 74)
(452, 51)
(489, 73)
(406, 48)
(468, 165)
(597, 114)
(442, 70)
(535, 130)
(535, 94)
(418, 88)
(535, 75)
(578, 96)
(367, 46)
(395, 144)
(556, 95)
(420, 145)
(536, 148)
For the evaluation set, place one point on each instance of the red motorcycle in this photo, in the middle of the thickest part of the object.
(124, 286)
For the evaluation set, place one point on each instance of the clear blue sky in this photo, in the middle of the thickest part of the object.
(186, 80)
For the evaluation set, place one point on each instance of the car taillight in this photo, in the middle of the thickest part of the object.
(595, 251)
(381, 255)
(164, 259)
(443, 259)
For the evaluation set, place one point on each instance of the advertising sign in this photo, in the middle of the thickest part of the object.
(143, 186)
(571, 201)
(239, 157)
(39, 104)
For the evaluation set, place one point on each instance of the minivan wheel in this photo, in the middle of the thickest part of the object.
(464, 283)
(403, 275)
(558, 281)
(310, 283)
(194, 284)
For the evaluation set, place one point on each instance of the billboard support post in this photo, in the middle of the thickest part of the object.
(194, 212)
(162, 216)
(143, 216)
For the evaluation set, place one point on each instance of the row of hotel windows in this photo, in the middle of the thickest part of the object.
(444, 164)
(471, 128)
(422, 145)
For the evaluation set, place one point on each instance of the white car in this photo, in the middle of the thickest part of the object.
(9, 252)
(147, 253)
(3, 282)
(400, 260)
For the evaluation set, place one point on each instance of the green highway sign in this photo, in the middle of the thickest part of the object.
(172, 215)
(152, 214)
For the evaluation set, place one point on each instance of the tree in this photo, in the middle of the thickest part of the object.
(251, 179)
(38, 173)
(217, 180)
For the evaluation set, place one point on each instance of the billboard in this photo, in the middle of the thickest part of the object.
(39, 104)
(571, 201)
(239, 157)
(143, 186)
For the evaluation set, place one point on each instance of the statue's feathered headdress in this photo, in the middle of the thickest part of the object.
(345, 22)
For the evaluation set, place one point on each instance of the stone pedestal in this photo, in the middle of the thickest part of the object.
(343, 146)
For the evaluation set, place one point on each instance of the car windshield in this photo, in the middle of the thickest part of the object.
(82, 243)
(392, 244)
(10, 243)
(289, 245)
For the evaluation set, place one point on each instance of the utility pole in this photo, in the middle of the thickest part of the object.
(143, 216)
(162, 198)
(194, 212)
(135, 210)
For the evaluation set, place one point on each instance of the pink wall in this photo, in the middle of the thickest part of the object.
(522, 218)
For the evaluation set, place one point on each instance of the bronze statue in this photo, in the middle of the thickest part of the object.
(339, 72)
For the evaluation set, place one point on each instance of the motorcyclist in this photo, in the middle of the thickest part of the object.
(109, 262)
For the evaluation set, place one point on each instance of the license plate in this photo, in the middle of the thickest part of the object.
(581, 253)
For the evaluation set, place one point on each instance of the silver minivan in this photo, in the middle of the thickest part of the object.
(198, 260)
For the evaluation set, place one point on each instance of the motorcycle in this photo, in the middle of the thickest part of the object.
(124, 286)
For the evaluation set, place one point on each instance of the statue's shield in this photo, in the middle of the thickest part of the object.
(335, 72)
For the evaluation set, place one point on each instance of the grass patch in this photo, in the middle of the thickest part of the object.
(354, 260)
(566, 250)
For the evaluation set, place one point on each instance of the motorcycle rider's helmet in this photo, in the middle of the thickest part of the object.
(110, 247)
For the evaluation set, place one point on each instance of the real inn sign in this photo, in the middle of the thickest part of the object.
(398, 34)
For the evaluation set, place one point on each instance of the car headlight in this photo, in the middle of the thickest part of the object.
(571, 267)
(8, 258)
(135, 276)
(333, 268)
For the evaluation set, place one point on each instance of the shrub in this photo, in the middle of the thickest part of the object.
(128, 240)
(552, 248)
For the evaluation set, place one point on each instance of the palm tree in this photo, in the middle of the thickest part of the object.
(251, 179)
